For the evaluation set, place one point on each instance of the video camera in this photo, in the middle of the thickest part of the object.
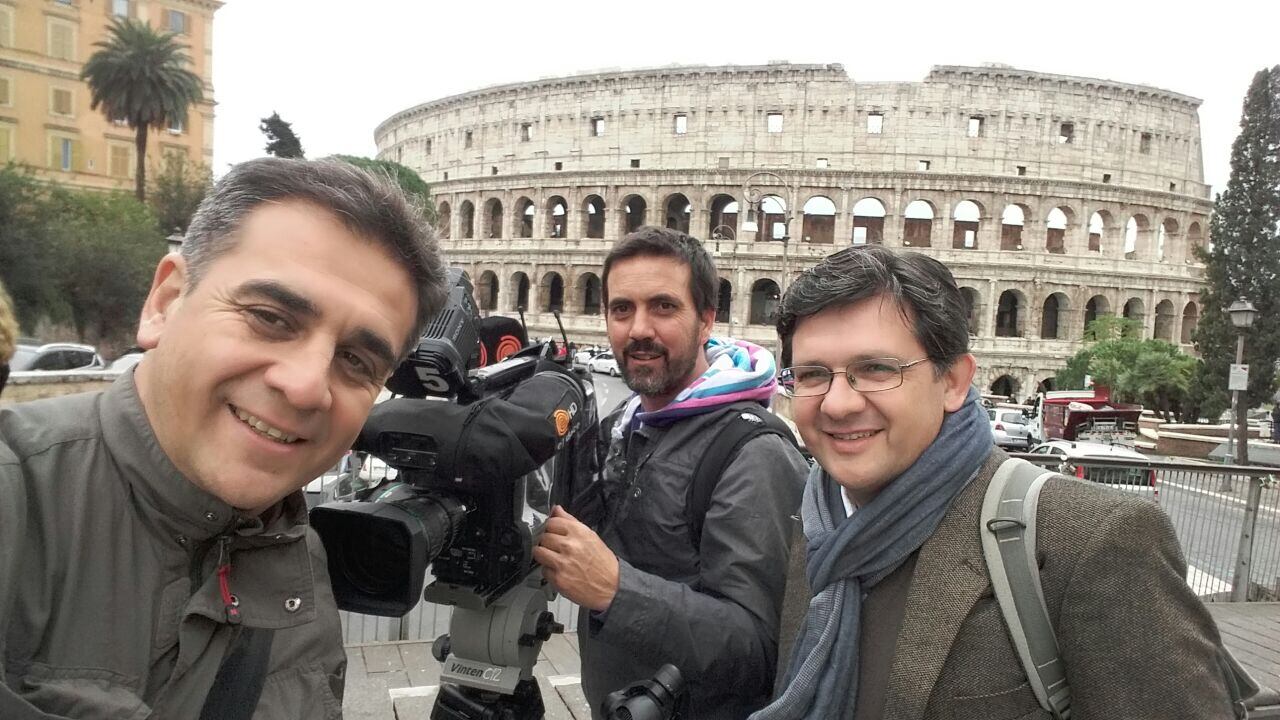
(483, 451)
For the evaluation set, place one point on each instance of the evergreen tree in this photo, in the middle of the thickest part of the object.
(176, 192)
(409, 181)
(141, 76)
(1244, 259)
(281, 140)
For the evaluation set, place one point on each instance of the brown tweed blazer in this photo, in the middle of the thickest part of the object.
(1138, 645)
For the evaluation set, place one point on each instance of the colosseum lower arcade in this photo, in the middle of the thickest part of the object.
(1053, 199)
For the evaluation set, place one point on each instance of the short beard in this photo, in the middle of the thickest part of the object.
(661, 381)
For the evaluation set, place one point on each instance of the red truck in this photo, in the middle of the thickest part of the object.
(1085, 415)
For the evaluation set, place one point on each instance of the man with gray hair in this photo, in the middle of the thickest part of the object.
(155, 559)
(900, 620)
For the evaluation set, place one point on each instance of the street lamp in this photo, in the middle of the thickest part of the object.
(721, 232)
(718, 233)
(1242, 314)
(755, 197)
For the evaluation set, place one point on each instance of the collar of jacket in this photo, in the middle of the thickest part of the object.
(169, 501)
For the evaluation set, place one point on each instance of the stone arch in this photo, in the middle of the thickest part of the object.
(1012, 221)
(1164, 320)
(593, 209)
(487, 291)
(819, 224)
(967, 221)
(1137, 230)
(724, 301)
(634, 209)
(1056, 224)
(1195, 239)
(773, 218)
(1190, 318)
(679, 211)
(1011, 314)
(764, 301)
(491, 219)
(525, 212)
(1053, 317)
(1136, 310)
(551, 292)
(1006, 385)
(466, 219)
(972, 309)
(557, 217)
(724, 217)
(520, 298)
(1099, 222)
(1048, 384)
(868, 221)
(1096, 307)
(588, 294)
(1166, 236)
(444, 217)
(917, 224)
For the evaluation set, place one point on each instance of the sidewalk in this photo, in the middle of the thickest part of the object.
(397, 681)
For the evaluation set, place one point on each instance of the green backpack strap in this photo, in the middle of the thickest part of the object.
(748, 422)
(1008, 529)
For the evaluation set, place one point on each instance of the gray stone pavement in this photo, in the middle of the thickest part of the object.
(397, 681)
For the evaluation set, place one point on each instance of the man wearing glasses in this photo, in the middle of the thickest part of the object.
(900, 620)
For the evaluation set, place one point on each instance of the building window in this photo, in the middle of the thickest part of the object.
(120, 8)
(6, 92)
(120, 160)
(446, 174)
(773, 121)
(64, 153)
(559, 166)
(597, 127)
(722, 162)
(922, 165)
(1106, 177)
(526, 132)
(176, 21)
(428, 146)
(682, 123)
(466, 142)
(635, 162)
(975, 126)
(62, 40)
(1022, 170)
(60, 101)
(6, 26)
(6, 143)
(1144, 144)
(1173, 187)
(875, 123)
(493, 170)
(823, 163)
(175, 126)
(1066, 133)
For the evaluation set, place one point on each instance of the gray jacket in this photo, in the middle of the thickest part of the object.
(110, 606)
(712, 612)
(1136, 641)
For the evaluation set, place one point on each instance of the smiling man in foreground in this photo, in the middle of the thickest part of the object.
(154, 555)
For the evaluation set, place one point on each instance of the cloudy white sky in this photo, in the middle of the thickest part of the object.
(337, 69)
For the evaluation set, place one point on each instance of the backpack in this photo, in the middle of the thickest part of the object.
(1008, 529)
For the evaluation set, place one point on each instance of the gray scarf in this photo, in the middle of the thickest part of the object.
(848, 557)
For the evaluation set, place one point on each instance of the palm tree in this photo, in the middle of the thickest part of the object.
(140, 76)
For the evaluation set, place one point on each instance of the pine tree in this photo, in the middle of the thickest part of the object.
(1244, 258)
(281, 140)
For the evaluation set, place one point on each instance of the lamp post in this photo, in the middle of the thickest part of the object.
(718, 233)
(1242, 314)
(754, 197)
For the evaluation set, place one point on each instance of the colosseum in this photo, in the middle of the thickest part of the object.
(1054, 199)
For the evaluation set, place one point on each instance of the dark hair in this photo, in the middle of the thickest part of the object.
(650, 241)
(923, 289)
(369, 204)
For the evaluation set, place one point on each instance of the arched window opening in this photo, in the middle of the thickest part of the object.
(493, 219)
(819, 225)
(466, 219)
(595, 216)
(633, 209)
(764, 301)
(551, 292)
(1009, 315)
(1190, 318)
(1164, 320)
(1055, 240)
(520, 301)
(724, 301)
(1097, 227)
(917, 224)
(444, 217)
(868, 222)
(972, 304)
(1136, 311)
(487, 291)
(678, 213)
(724, 217)
(966, 221)
(557, 217)
(1094, 309)
(1011, 222)
(524, 215)
(1052, 316)
(590, 294)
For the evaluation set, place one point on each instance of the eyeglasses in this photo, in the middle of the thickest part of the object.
(874, 375)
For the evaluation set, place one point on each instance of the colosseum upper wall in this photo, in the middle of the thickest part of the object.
(1054, 199)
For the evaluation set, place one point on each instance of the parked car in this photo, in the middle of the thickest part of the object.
(604, 363)
(1074, 456)
(583, 357)
(55, 356)
(1010, 429)
(125, 361)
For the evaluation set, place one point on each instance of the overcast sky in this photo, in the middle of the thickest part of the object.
(337, 69)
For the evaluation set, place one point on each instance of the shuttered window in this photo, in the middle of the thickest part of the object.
(60, 101)
(6, 143)
(62, 40)
(120, 160)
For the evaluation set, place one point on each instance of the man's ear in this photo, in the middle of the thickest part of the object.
(707, 323)
(957, 379)
(163, 300)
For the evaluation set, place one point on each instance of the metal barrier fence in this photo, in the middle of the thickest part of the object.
(1227, 518)
(1209, 506)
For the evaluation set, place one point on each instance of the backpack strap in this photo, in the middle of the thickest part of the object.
(748, 422)
(238, 684)
(1008, 529)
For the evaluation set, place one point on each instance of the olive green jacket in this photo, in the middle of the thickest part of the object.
(110, 603)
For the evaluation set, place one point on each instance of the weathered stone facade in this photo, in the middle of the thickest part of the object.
(1051, 198)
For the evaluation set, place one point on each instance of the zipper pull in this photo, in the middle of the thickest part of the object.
(229, 601)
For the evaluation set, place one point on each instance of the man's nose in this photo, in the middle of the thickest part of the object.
(842, 400)
(641, 325)
(301, 374)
